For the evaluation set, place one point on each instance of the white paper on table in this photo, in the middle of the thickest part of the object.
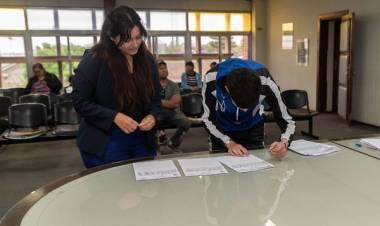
(155, 170)
(245, 164)
(201, 166)
(305, 147)
(371, 142)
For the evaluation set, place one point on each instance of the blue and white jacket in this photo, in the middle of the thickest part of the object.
(220, 114)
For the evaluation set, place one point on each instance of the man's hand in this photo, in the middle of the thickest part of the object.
(279, 148)
(125, 123)
(147, 123)
(236, 149)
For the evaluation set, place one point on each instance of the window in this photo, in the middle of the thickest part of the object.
(51, 67)
(175, 68)
(99, 14)
(240, 22)
(224, 44)
(168, 21)
(13, 75)
(142, 15)
(12, 19)
(79, 44)
(40, 19)
(171, 45)
(67, 71)
(12, 46)
(239, 46)
(206, 64)
(209, 44)
(44, 46)
(64, 41)
(194, 45)
(199, 21)
(213, 22)
(75, 19)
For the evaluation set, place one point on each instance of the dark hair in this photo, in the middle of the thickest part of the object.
(161, 62)
(38, 65)
(213, 64)
(189, 63)
(136, 89)
(244, 87)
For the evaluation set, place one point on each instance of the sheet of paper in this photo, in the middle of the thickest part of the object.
(244, 164)
(371, 142)
(201, 166)
(155, 170)
(305, 147)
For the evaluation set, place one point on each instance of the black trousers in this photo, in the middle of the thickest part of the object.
(250, 139)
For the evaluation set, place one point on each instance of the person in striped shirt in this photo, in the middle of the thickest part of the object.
(191, 80)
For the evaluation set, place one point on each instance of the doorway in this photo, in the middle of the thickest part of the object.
(335, 68)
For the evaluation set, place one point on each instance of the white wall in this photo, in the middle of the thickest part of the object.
(304, 14)
(259, 32)
(212, 5)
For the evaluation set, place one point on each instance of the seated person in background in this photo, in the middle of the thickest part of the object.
(170, 102)
(191, 80)
(43, 82)
(212, 65)
(233, 92)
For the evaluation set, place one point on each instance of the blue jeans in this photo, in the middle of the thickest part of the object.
(120, 147)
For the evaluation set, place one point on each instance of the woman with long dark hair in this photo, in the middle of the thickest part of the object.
(116, 92)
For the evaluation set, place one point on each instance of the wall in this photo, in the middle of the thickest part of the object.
(304, 15)
(212, 5)
(259, 32)
(53, 3)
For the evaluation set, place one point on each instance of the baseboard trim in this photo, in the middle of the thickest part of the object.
(365, 124)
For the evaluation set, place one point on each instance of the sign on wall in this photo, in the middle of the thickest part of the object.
(302, 46)
(287, 36)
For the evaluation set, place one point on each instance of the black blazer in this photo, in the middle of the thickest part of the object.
(94, 101)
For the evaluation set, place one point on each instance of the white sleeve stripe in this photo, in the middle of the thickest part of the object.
(206, 113)
(284, 113)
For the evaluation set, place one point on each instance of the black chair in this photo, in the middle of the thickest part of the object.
(37, 98)
(25, 121)
(297, 102)
(192, 105)
(5, 103)
(192, 108)
(64, 97)
(14, 94)
(66, 119)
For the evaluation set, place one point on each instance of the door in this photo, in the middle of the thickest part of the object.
(346, 66)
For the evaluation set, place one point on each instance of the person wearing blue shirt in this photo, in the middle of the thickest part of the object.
(116, 91)
(233, 96)
(191, 80)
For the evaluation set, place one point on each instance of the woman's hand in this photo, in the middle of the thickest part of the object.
(279, 148)
(125, 123)
(236, 149)
(147, 123)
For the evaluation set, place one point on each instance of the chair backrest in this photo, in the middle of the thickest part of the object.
(192, 104)
(14, 93)
(36, 98)
(5, 103)
(295, 99)
(27, 115)
(64, 97)
(64, 113)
